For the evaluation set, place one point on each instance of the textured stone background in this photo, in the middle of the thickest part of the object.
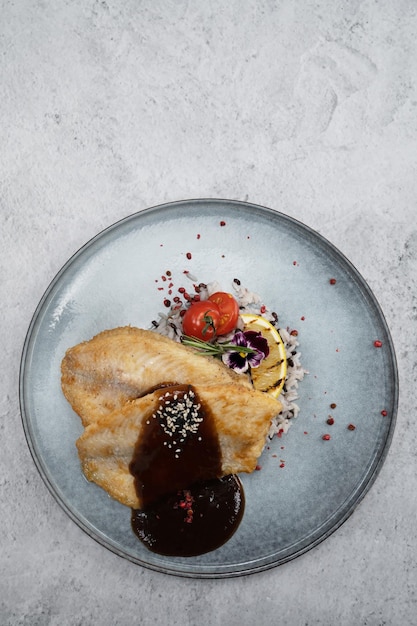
(306, 107)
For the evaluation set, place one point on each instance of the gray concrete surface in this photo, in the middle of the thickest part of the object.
(309, 108)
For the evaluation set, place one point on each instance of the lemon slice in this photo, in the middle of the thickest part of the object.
(270, 375)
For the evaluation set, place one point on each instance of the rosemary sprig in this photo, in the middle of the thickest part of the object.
(214, 349)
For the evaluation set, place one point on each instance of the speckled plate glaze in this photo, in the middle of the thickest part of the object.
(111, 281)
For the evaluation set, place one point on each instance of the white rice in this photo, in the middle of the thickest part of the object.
(169, 324)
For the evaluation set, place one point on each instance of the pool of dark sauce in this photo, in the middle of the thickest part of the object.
(183, 513)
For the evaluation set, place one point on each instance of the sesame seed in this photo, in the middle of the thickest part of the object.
(179, 416)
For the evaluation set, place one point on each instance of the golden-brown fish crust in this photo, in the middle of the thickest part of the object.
(118, 365)
(242, 417)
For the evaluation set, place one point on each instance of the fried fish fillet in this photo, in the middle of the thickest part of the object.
(241, 415)
(118, 365)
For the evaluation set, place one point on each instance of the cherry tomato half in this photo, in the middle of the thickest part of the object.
(201, 320)
(229, 311)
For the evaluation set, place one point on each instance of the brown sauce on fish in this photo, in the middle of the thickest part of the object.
(183, 514)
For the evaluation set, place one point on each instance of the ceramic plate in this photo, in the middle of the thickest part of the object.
(307, 486)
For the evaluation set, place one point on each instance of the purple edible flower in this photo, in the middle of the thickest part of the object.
(255, 349)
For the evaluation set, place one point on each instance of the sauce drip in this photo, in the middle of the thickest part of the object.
(192, 521)
(182, 513)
